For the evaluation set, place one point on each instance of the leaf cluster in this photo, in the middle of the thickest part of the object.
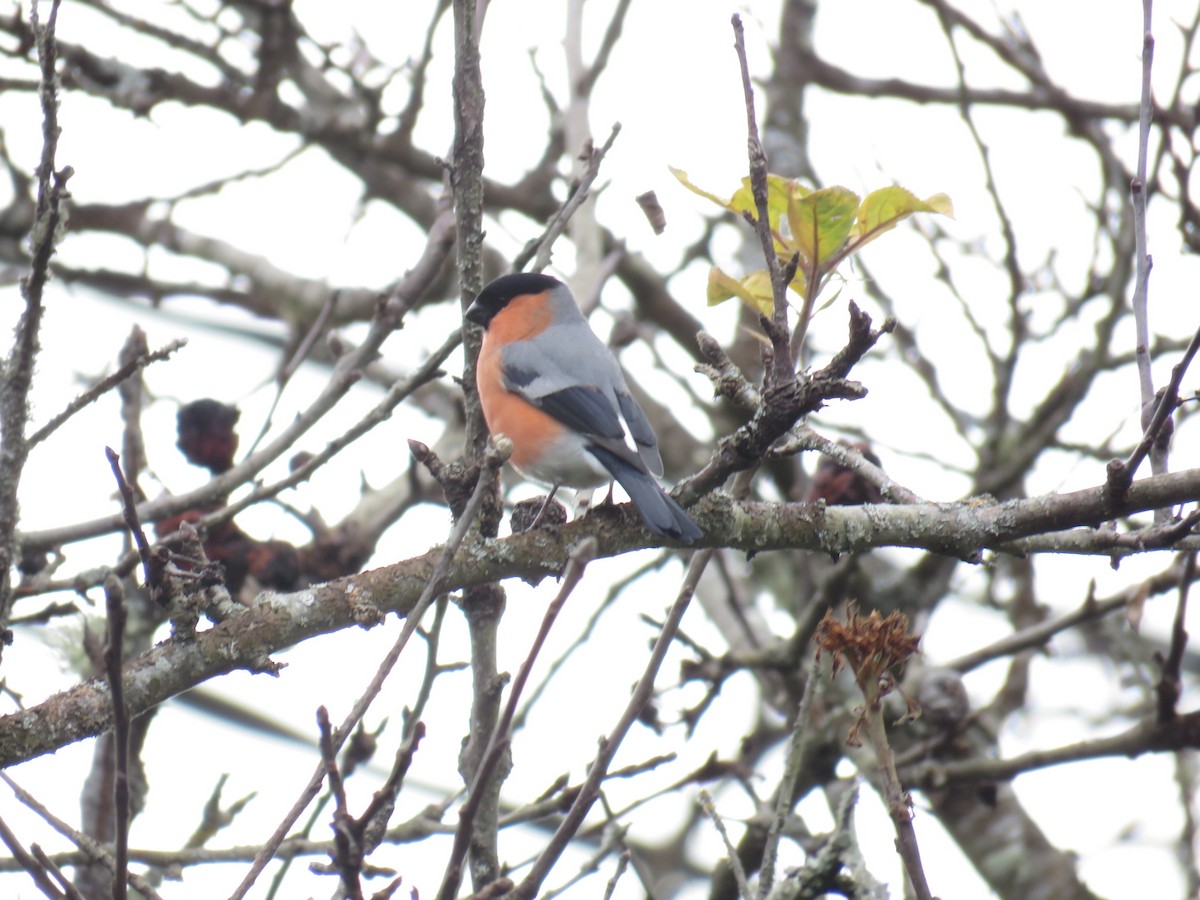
(818, 228)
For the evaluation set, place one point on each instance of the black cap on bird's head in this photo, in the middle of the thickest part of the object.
(497, 294)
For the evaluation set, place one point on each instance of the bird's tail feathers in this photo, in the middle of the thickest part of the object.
(659, 511)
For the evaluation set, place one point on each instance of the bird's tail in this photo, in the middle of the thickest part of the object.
(660, 512)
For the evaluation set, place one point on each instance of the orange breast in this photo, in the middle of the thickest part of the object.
(530, 430)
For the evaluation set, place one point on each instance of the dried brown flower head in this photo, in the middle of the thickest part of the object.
(871, 646)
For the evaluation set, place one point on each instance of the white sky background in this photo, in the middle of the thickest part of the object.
(673, 86)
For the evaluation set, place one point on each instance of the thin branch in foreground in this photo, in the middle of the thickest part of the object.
(543, 245)
(1186, 772)
(93, 848)
(114, 596)
(104, 386)
(622, 865)
(1090, 609)
(782, 368)
(793, 764)
(1137, 195)
(32, 865)
(579, 559)
(348, 853)
(590, 789)
(1170, 682)
(735, 861)
(1155, 424)
(16, 371)
(154, 583)
(63, 882)
(492, 463)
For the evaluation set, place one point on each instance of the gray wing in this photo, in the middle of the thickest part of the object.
(548, 370)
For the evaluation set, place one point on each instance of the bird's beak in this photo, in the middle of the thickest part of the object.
(476, 315)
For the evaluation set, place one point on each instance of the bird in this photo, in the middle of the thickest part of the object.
(553, 388)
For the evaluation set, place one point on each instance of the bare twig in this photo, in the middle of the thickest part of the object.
(782, 367)
(94, 849)
(347, 857)
(1148, 736)
(63, 882)
(16, 375)
(129, 505)
(543, 245)
(428, 595)
(529, 886)
(1186, 773)
(580, 557)
(32, 865)
(288, 369)
(735, 862)
(1137, 191)
(1157, 411)
(1170, 682)
(1039, 634)
(102, 387)
(786, 792)
(611, 35)
(407, 119)
(114, 595)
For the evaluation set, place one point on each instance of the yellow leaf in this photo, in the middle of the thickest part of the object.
(883, 209)
(720, 287)
(780, 193)
(754, 290)
(940, 203)
(682, 176)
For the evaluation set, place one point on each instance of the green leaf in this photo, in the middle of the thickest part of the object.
(820, 223)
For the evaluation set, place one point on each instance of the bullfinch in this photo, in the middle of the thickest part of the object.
(556, 391)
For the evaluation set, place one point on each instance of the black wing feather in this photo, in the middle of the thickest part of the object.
(582, 409)
(585, 410)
